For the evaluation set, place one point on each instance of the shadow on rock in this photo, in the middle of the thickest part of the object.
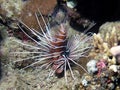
(0, 56)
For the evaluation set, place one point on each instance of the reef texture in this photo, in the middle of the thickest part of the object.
(104, 71)
(30, 79)
(24, 10)
(108, 36)
(28, 13)
(107, 69)
(11, 8)
(15, 78)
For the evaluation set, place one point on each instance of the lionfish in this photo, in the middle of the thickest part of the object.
(59, 51)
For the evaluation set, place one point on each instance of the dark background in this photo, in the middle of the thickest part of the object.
(99, 10)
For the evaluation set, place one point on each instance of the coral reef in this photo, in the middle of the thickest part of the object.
(91, 66)
(11, 8)
(31, 7)
(3, 32)
(102, 62)
(107, 37)
(31, 78)
(107, 75)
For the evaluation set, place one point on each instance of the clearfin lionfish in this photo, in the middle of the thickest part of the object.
(59, 51)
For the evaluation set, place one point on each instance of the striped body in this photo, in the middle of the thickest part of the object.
(58, 51)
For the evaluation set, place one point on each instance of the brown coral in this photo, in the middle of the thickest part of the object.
(28, 13)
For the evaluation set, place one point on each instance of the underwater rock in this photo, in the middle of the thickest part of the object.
(113, 68)
(11, 8)
(3, 32)
(73, 16)
(0, 64)
(71, 3)
(58, 16)
(3, 36)
(9, 46)
(28, 12)
(91, 66)
(84, 82)
(0, 57)
(0, 70)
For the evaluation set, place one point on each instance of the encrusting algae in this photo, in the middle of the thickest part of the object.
(11, 8)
